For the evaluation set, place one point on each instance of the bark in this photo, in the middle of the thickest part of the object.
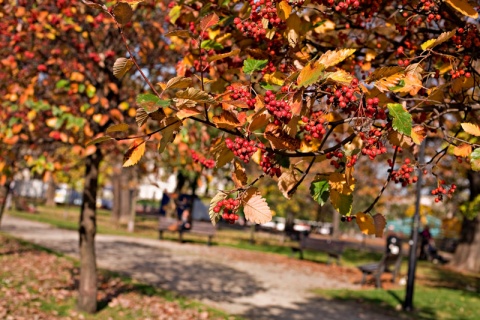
(336, 224)
(4, 202)
(467, 254)
(87, 298)
(127, 182)
(50, 194)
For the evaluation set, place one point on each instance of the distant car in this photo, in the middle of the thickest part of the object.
(64, 195)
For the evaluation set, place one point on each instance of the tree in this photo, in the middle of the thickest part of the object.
(64, 92)
(291, 84)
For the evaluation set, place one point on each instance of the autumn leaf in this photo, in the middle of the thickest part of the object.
(332, 58)
(216, 57)
(239, 176)
(463, 7)
(340, 76)
(215, 216)
(310, 74)
(122, 12)
(98, 140)
(379, 222)
(280, 139)
(444, 36)
(188, 112)
(365, 223)
(383, 72)
(256, 210)
(196, 95)
(209, 21)
(258, 121)
(184, 34)
(471, 128)
(222, 154)
(134, 153)
(338, 182)
(283, 10)
(286, 182)
(463, 150)
(226, 120)
(117, 128)
(418, 134)
(178, 83)
(171, 126)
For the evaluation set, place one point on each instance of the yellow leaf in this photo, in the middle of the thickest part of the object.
(239, 177)
(418, 134)
(366, 223)
(463, 7)
(338, 182)
(471, 128)
(325, 26)
(331, 58)
(441, 39)
(276, 78)
(134, 154)
(117, 127)
(283, 10)
(463, 150)
(341, 76)
(383, 72)
(310, 74)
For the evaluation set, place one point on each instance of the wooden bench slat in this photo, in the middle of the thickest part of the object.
(198, 227)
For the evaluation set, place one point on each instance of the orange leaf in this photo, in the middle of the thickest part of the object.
(366, 223)
(463, 150)
(380, 222)
(418, 134)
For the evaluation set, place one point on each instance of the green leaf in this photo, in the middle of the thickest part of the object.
(341, 202)
(320, 191)
(210, 44)
(402, 120)
(251, 65)
(151, 102)
(400, 85)
(62, 84)
(268, 86)
(475, 159)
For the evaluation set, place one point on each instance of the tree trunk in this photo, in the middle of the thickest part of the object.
(87, 298)
(50, 194)
(467, 254)
(336, 224)
(126, 178)
(4, 202)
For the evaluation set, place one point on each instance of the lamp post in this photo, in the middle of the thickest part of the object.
(412, 259)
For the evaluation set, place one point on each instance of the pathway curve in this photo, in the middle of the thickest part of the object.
(254, 285)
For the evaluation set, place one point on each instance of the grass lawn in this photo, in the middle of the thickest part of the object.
(440, 294)
(38, 283)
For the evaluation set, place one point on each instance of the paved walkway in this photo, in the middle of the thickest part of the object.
(250, 284)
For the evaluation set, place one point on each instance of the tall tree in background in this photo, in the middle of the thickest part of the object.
(61, 57)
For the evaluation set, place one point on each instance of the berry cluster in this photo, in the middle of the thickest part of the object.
(241, 148)
(228, 208)
(239, 93)
(467, 37)
(278, 108)
(373, 146)
(344, 97)
(269, 166)
(403, 175)
(208, 163)
(441, 191)
(373, 111)
(335, 162)
(262, 10)
(459, 72)
(270, 68)
(314, 126)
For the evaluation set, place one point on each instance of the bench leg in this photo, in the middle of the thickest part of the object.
(180, 237)
(364, 278)
(160, 235)
(209, 241)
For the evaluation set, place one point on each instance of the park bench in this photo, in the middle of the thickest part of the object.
(198, 228)
(390, 262)
(333, 248)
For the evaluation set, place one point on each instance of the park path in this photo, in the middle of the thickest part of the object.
(254, 285)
